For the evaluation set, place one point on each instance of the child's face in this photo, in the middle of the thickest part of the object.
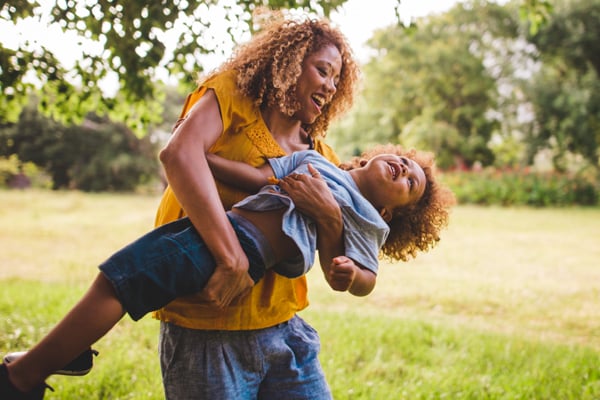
(394, 181)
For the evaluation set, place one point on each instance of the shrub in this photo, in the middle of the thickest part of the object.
(524, 187)
(20, 175)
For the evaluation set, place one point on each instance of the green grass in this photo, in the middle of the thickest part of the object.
(506, 307)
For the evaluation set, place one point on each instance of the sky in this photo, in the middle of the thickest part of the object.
(359, 18)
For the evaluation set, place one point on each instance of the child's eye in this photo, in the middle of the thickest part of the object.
(411, 182)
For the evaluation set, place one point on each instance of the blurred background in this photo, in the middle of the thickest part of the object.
(505, 93)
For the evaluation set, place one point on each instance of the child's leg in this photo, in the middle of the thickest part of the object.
(143, 276)
(90, 319)
(168, 262)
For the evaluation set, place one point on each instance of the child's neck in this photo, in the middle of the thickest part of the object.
(359, 177)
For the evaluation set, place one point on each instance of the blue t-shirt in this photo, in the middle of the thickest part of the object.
(364, 229)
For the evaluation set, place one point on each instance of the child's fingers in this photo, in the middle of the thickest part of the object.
(342, 272)
(341, 264)
(341, 260)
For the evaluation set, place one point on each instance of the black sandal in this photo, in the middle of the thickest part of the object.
(78, 367)
(9, 392)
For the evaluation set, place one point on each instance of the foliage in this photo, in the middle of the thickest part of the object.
(565, 92)
(536, 13)
(481, 85)
(137, 44)
(130, 41)
(20, 175)
(430, 87)
(571, 34)
(95, 156)
(566, 105)
(524, 188)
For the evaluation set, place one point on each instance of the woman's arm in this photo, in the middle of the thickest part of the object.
(341, 273)
(188, 174)
(239, 174)
(313, 198)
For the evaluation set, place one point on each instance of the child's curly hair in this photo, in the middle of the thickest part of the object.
(416, 227)
(270, 63)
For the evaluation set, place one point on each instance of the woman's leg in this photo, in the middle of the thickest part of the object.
(90, 319)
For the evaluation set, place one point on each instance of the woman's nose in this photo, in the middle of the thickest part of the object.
(330, 85)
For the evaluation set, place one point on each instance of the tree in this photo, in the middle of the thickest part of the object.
(565, 93)
(96, 156)
(135, 40)
(429, 87)
(566, 106)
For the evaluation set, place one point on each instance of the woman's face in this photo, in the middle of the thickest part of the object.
(317, 83)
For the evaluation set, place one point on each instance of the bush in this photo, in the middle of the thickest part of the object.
(98, 155)
(19, 175)
(523, 187)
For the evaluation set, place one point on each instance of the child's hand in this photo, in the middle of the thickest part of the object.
(342, 273)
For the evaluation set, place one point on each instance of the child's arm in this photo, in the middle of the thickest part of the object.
(239, 174)
(344, 275)
(341, 273)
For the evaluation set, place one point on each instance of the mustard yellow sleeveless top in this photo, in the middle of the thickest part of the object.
(274, 299)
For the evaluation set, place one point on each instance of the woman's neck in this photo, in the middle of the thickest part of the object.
(286, 131)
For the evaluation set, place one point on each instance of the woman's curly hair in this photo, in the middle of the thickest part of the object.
(416, 227)
(270, 63)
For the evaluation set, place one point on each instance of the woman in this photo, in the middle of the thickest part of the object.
(275, 96)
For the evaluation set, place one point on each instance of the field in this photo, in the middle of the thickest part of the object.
(507, 306)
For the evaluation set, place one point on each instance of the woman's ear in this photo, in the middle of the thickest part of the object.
(385, 214)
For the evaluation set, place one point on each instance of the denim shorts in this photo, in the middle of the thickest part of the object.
(277, 363)
(169, 262)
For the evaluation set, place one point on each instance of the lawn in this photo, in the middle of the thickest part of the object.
(507, 306)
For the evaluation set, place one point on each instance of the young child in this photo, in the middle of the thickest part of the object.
(389, 199)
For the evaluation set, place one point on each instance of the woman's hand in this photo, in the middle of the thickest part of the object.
(311, 195)
(227, 283)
